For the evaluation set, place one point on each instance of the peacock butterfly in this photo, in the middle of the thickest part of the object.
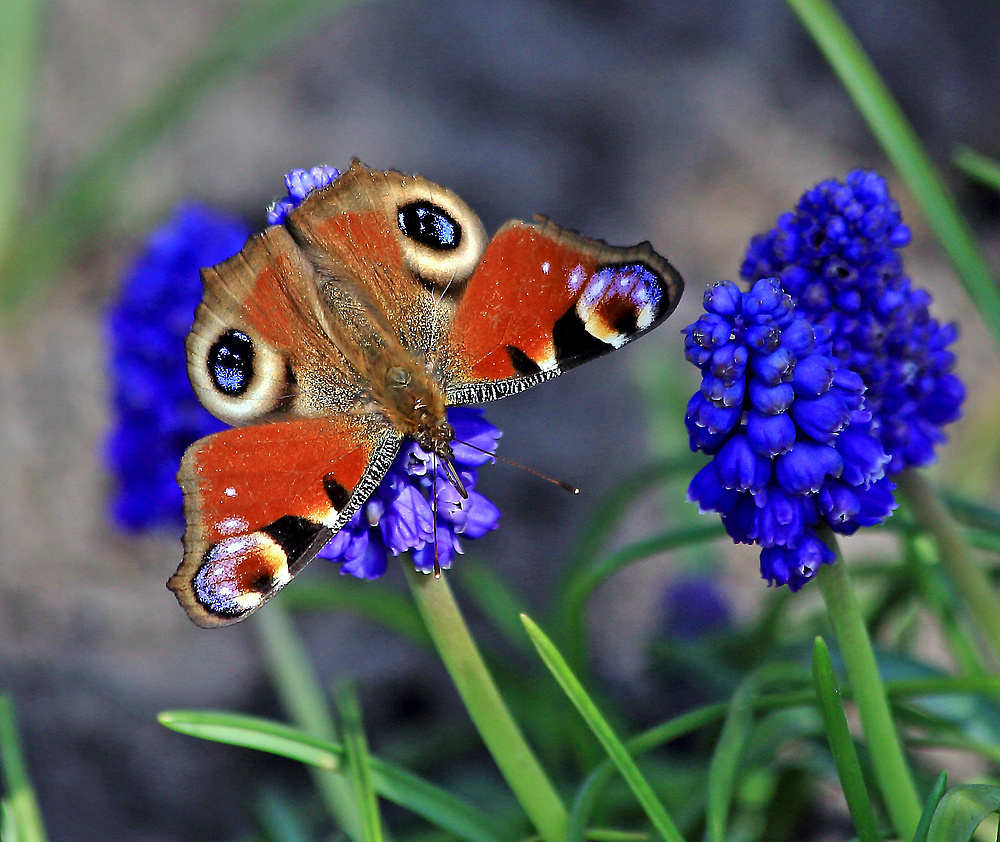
(331, 337)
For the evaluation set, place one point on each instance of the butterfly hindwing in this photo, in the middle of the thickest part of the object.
(545, 299)
(261, 501)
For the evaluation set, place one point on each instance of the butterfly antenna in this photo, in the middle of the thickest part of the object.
(434, 513)
(572, 489)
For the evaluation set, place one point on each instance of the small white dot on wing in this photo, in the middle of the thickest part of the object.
(577, 277)
(233, 526)
(545, 267)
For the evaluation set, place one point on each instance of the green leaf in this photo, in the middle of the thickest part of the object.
(845, 758)
(19, 42)
(961, 811)
(980, 167)
(901, 144)
(930, 806)
(400, 787)
(20, 817)
(359, 762)
(602, 730)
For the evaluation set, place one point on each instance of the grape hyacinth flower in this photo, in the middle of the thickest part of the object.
(158, 415)
(837, 255)
(398, 516)
(822, 383)
(786, 426)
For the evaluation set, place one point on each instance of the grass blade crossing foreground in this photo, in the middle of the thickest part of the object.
(436, 805)
(838, 734)
(602, 730)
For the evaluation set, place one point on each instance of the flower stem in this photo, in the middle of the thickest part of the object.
(894, 777)
(501, 734)
(973, 584)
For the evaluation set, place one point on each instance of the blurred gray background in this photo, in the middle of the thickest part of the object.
(691, 124)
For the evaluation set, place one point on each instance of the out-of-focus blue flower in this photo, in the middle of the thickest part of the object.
(398, 516)
(695, 606)
(837, 255)
(786, 426)
(156, 414)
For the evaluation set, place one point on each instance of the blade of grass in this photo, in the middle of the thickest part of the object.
(90, 194)
(961, 810)
(19, 53)
(436, 805)
(953, 554)
(21, 805)
(687, 723)
(636, 781)
(359, 761)
(980, 167)
(930, 805)
(303, 700)
(897, 137)
(895, 779)
(838, 734)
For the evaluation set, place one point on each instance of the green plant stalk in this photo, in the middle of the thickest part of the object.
(893, 131)
(980, 167)
(302, 698)
(19, 42)
(501, 734)
(838, 733)
(894, 777)
(359, 761)
(20, 798)
(972, 583)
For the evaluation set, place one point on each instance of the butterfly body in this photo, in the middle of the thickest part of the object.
(353, 326)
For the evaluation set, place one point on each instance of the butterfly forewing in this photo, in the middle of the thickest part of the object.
(544, 300)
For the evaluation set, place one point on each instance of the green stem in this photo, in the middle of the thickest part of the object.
(501, 734)
(972, 583)
(894, 777)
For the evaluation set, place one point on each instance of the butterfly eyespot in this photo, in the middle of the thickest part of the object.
(430, 225)
(230, 363)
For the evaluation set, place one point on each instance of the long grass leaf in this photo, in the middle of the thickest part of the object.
(21, 806)
(359, 762)
(838, 734)
(595, 720)
(961, 811)
(434, 804)
(19, 53)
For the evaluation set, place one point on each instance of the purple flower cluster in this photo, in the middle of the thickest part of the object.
(299, 183)
(398, 516)
(837, 256)
(786, 427)
(156, 414)
(822, 382)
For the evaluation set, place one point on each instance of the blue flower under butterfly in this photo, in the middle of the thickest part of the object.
(157, 415)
